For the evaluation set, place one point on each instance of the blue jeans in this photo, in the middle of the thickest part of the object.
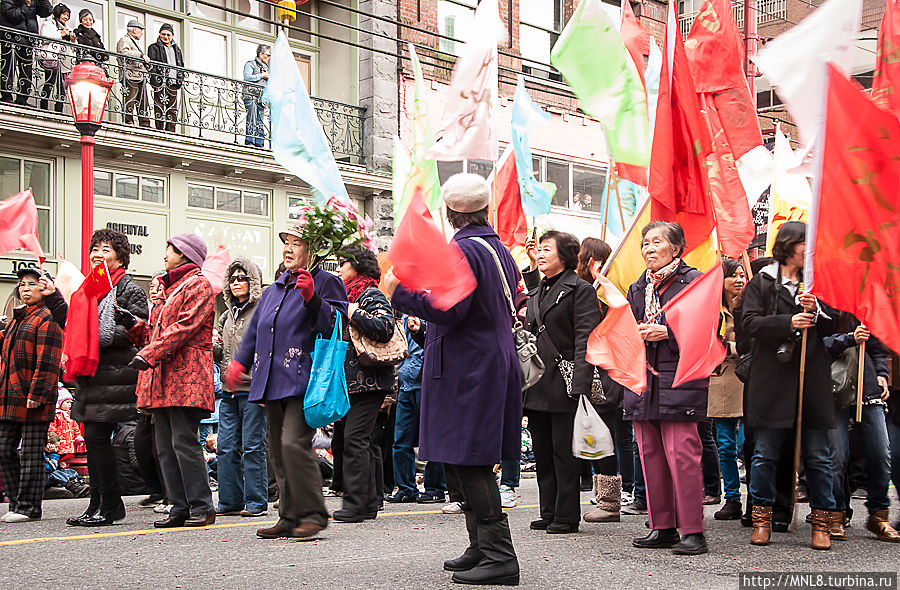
(256, 130)
(873, 429)
(243, 478)
(727, 441)
(509, 473)
(816, 446)
(60, 477)
(406, 438)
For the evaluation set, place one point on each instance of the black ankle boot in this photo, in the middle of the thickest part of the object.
(693, 544)
(469, 559)
(658, 539)
(731, 510)
(499, 566)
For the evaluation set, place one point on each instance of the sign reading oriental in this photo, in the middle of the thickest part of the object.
(146, 232)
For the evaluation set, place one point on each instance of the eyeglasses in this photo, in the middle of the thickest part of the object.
(240, 279)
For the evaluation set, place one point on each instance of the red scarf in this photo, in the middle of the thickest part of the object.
(81, 345)
(356, 285)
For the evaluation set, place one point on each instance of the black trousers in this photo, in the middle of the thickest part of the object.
(477, 488)
(558, 470)
(337, 452)
(101, 460)
(145, 450)
(360, 461)
(607, 465)
(624, 439)
(181, 460)
(709, 460)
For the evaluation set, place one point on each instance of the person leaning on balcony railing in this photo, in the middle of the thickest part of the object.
(16, 54)
(89, 37)
(55, 58)
(256, 71)
(133, 74)
(166, 81)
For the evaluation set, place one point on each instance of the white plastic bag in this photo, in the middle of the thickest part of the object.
(591, 438)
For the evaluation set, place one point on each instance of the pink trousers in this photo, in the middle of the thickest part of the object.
(670, 453)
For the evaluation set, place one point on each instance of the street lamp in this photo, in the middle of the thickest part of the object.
(88, 88)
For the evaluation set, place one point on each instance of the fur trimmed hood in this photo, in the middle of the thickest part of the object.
(253, 271)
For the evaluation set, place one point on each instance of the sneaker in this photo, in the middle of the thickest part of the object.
(213, 485)
(152, 500)
(429, 498)
(452, 508)
(627, 497)
(400, 497)
(163, 508)
(508, 497)
(16, 517)
(712, 500)
(636, 507)
(253, 513)
(329, 493)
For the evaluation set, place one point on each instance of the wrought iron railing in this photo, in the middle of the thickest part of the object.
(168, 98)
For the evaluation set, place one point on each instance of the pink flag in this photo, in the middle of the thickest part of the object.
(68, 278)
(615, 343)
(693, 316)
(424, 261)
(19, 224)
(214, 268)
(467, 128)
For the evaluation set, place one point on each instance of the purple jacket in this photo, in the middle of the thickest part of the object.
(471, 385)
(661, 401)
(279, 341)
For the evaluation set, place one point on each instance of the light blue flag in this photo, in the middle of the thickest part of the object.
(536, 196)
(298, 142)
(629, 196)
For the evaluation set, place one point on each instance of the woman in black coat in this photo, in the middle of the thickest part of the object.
(562, 312)
(108, 397)
(775, 312)
(86, 35)
(372, 315)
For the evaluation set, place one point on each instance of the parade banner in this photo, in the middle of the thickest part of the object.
(790, 195)
(19, 225)
(536, 196)
(886, 84)
(852, 250)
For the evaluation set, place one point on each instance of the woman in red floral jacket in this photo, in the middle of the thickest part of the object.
(176, 380)
(30, 358)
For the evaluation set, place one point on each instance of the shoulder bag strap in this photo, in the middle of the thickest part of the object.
(503, 280)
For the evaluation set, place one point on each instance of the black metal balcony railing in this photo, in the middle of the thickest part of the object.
(167, 98)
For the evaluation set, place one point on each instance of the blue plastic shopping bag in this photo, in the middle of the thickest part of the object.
(326, 398)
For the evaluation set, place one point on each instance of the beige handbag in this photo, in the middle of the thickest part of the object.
(380, 354)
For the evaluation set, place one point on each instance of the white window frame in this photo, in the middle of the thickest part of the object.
(50, 207)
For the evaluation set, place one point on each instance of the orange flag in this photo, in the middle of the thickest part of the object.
(511, 225)
(693, 317)
(679, 186)
(424, 261)
(615, 344)
(852, 250)
(19, 224)
(886, 84)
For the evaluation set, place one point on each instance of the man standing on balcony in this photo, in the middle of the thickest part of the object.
(256, 72)
(166, 81)
(16, 56)
(133, 68)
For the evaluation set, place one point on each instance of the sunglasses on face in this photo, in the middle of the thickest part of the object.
(240, 279)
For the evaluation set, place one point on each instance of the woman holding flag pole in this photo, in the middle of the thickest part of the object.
(789, 355)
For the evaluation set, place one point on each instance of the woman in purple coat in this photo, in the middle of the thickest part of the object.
(471, 411)
(277, 346)
(665, 417)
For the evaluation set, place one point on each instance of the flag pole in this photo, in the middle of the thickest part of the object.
(859, 380)
(619, 199)
(631, 227)
(797, 436)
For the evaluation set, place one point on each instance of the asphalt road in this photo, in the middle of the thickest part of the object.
(403, 548)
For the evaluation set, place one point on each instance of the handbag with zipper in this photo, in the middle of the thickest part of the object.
(376, 355)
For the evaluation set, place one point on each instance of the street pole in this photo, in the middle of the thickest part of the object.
(751, 45)
(87, 191)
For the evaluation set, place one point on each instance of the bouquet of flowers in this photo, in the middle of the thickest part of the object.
(329, 228)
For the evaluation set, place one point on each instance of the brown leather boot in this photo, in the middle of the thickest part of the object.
(878, 525)
(821, 522)
(836, 526)
(762, 525)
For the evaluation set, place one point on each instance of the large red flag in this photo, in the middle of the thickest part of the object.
(853, 251)
(511, 224)
(886, 84)
(693, 317)
(19, 224)
(615, 344)
(679, 186)
(424, 261)
(637, 41)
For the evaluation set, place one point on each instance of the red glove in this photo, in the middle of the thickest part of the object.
(305, 285)
(234, 375)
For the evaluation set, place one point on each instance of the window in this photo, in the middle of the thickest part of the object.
(482, 168)
(133, 187)
(303, 21)
(254, 8)
(294, 204)
(17, 175)
(228, 199)
(448, 169)
(558, 174)
(540, 22)
(454, 18)
(590, 184)
(209, 12)
(212, 58)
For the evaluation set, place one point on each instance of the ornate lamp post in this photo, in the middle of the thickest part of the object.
(88, 88)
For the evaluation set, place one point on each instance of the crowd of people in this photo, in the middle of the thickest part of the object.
(457, 394)
(149, 81)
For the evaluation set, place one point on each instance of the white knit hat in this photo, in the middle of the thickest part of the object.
(466, 193)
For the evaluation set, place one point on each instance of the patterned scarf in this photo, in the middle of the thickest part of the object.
(652, 311)
(356, 285)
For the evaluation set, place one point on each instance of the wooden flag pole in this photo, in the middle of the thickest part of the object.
(619, 199)
(859, 381)
(798, 436)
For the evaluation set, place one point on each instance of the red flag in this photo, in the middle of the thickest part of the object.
(637, 39)
(852, 246)
(693, 317)
(615, 344)
(679, 186)
(886, 84)
(98, 282)
(424, 261)
(19, 225)
(214, 268)
(511, 225)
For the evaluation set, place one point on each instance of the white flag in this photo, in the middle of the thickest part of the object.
(795, 62)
